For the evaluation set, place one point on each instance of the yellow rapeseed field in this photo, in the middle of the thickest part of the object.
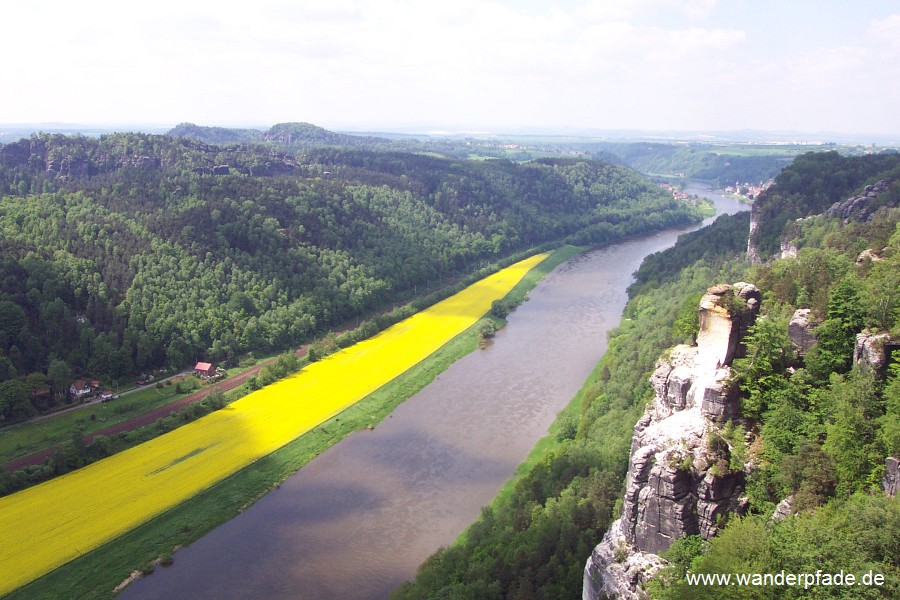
(50, 524)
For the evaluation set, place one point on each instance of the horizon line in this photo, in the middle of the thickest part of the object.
(435, 130)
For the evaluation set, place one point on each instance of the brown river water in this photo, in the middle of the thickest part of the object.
(359, 519)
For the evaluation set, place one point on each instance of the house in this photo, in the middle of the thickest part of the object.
(80, 388)
(205, 370)
(106, 395)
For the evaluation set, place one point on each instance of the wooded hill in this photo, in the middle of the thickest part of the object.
(130, 252)
(813, 427)
(285, 136)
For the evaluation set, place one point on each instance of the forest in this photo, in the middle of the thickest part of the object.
(131, 252)
(723, 164)
(813, 426)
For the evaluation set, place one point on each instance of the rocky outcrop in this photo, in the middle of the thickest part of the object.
(626, 570)
(679, 481)
(784, 509)
(789, 237)
(752, 244)
(800, 331)
(861, 206)
(858, 207)
(788, 248)
(868, 255)
(69, 166)
(890, 482)
(873, 351)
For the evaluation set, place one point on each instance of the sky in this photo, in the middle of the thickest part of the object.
(456, 65)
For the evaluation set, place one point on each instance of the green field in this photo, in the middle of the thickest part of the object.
(26, 438)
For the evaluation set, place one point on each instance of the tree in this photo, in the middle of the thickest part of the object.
(890, 423)
(687, 324)
(60, 376)
(833, 353)
(7, 370)
(14, 400)
(852, 435)
(810, 476)
(762, 370)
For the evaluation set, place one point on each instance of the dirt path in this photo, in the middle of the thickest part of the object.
(150, 416)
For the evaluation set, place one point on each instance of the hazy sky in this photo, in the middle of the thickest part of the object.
(487, 65)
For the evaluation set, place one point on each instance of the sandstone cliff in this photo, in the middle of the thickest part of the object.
(753, 235)
(679, 478)
(857, 207)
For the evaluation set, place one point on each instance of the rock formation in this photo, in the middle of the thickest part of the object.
(858, 207)
(752, 247)
(891, 480)
(868, 255)
(873, 351)
(800, 331)
(679, 480)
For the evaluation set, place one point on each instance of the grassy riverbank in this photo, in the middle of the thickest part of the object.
(97, 573)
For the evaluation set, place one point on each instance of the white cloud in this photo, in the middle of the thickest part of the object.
(886, 32)
(612, 63)
(628, 10)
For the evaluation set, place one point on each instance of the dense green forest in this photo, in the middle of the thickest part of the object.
(132, 252)
(815, 427)
(812, 184)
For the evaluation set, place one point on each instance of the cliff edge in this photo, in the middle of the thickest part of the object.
(679, 479)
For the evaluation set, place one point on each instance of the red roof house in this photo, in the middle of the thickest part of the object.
(205, 369)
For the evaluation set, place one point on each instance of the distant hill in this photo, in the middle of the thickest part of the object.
(215, 135)
(722, 164)
(286, 136)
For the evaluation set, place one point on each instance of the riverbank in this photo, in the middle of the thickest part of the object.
(533, 538)
(98, 572)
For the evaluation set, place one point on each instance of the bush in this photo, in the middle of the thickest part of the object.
(487, 329)
(502, 308)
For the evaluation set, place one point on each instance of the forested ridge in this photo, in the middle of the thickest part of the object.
(814, 182)
(132, 251)
(814, 427)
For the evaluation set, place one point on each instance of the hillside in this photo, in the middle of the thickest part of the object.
(814, 182)
(285, 136)
(806, 428)
(130, 252)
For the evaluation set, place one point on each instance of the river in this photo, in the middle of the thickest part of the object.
(359, 519)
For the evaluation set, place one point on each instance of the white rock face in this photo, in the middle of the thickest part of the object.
(873, 350)
(800, 331)
(671, 489)
(752, 249)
